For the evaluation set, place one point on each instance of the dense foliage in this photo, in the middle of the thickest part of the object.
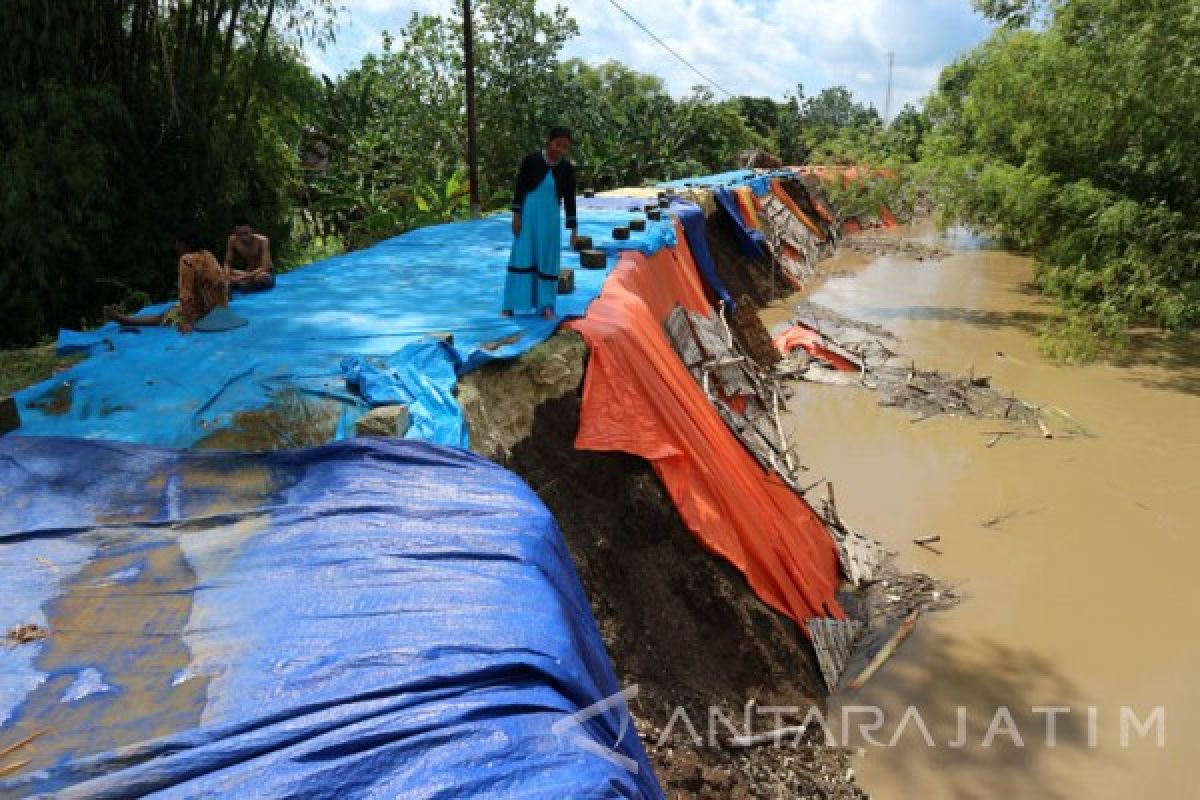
(1071, 134)
(393, 127)
(121, 119)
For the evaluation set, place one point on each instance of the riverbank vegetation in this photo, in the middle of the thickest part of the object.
(1065, 135)
(1070, 134)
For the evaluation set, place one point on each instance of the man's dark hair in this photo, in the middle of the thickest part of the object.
(558, 132)
(241, 220)
(190, 236)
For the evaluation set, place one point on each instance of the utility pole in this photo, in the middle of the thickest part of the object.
(887, 104)
(472, 133)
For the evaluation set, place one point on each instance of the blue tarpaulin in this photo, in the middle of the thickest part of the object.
(751, 242)
(733, 178)
(368, 619)
(421, 376)
(156, 386)
(757, 181)
(692, 218)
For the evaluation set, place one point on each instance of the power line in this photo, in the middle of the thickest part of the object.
(670, 50)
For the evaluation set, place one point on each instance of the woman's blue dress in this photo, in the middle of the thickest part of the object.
(532, 282)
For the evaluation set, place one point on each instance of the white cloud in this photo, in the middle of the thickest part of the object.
(759, 47)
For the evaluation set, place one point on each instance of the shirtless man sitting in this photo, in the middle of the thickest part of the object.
(254, 251)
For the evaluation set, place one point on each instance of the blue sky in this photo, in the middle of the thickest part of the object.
(757, 47)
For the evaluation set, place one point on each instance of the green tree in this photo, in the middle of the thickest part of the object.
(118, 120)
(833, 110)
(906, 133)
(1073, 139)
(517, 49)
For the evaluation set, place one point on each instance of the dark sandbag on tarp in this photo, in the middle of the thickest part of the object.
(374, 618)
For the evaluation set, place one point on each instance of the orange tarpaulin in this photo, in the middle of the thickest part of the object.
(748, 207)
(846, 176)
(785, 198)
(813, 344)
(639, 398)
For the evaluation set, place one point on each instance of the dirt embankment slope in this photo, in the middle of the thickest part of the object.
(679, 622)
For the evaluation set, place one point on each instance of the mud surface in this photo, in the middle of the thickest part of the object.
(678, 622)
(1076, 554)
(291, 420)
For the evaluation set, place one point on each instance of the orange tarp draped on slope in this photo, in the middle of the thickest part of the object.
(748, 207)
(639, 398)
(785, 198)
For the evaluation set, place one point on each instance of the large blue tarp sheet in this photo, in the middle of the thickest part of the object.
(733, 178)
(156, 386)
(371, 618)
(758, 181)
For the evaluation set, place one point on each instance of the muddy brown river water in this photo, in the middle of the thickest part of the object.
(1079, 556)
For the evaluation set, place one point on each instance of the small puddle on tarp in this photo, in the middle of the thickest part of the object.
(117, 663)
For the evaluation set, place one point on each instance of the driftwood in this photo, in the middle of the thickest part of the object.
(876, 244)
(927, 393)
(902, 633)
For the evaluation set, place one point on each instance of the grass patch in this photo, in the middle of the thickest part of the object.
(27, 366)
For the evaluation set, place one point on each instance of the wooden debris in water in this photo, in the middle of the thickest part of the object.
(901, 384)
(997, 435)
(834, 641)
(877, 244)
(833, 325)
(995, 521)
(899, 594)
(862, 559)
(925, 541)
(902, 632)
(930, 392)
(748, 402)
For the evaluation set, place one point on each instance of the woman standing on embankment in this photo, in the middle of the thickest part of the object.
(545, 181)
